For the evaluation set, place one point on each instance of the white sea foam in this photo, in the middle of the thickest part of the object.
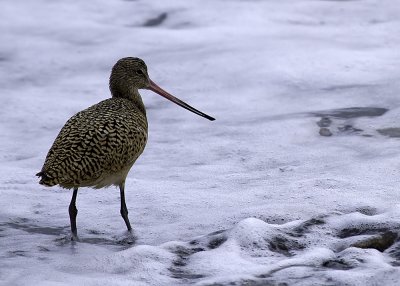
(257, 197)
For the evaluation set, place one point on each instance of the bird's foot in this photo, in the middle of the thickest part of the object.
(74, 237)
(126, 238)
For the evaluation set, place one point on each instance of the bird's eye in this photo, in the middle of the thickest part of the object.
(139, 72)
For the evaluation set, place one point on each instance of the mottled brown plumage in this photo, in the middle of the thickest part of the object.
(98, 146)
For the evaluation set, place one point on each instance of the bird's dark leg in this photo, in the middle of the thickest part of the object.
(73, 211)
(124, 209)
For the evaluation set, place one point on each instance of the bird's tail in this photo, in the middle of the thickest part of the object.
(46, 179)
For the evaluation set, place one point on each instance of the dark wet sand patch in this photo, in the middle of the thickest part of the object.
(157, 21)
(367, 210)
(15, 253)
(306, 226)
(380, 242)
(340, 0)
(32, 228)
(348, 128)
(394, 253)
(345, 86)
(249, 282)
(178, 270)
(328, 117)
(324, 122)
(363, 229)
(325, 132)
(217, 241)
(339, 264)
(351, 112)
(283, 245)
(393, 132)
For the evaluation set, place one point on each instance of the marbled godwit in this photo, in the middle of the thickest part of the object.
(98, 146)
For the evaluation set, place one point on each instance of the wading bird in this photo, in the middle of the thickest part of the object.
(98, 146)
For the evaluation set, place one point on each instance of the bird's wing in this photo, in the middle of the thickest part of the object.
(102, 139)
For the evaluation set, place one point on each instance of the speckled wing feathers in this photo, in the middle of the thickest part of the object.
(97, 146)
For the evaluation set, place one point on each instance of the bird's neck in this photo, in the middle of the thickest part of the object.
(129, 93)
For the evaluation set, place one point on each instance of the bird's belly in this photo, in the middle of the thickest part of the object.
(111, 178)
(117, 167)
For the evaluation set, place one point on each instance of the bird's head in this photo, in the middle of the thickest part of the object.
(130, 74)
